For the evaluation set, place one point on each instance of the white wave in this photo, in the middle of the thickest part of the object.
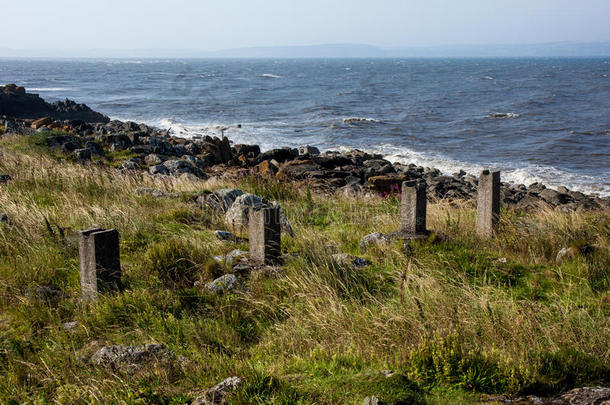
(50, 89)
(489, 78)
(271, 75)
(356, 120)
(503, 115)
(348, 68)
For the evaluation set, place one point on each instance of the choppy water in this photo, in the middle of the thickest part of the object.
(537, 119)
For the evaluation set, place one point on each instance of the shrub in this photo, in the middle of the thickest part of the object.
(176, 263)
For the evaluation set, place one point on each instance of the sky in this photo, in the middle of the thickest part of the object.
(209, 25)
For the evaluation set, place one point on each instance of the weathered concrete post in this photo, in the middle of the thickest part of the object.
(488, 203)
(413, 208)
(100, 263)
(264, 234)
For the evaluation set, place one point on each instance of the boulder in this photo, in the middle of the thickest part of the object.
(237, 214)
(374, 239)
(220, 200)
(95, 148)
(83, 154)
(387, 183)
(584, 396)
(178, 166)
(131, 356)
(226, 283)
(219, 393)
(158, 169)
(39, 123)
(308, 150)
(351, 261)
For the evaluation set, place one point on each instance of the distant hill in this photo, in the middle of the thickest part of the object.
(555, 49)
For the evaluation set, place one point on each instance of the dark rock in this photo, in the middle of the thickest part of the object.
(69, 147)
(16, 103)
(280, 155)
(130, 165)
(95, 148)
(4, 178)
(584, 396)
(298, 169)
(158, 169)
(308, 151)
(351, 261)
(83, 154)
(220, 200)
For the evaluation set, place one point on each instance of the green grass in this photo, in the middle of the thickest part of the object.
(452, 319)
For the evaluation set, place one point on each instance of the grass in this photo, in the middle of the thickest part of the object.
(451, 319)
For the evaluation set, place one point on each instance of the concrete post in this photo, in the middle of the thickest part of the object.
(100, 263)
(413, 208)
(264, 234)
(488, 203)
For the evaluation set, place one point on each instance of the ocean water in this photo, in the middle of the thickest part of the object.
(542, 120)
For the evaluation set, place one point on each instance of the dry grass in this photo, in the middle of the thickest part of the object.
(451, 319)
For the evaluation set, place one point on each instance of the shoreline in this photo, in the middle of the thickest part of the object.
(90, 135)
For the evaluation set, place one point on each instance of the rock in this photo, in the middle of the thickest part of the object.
(231, 256)
(4, 178)
(220, 200)
(584, 396)
(153, 192)
(41, 122)
(566, 253)
(48, 294)
(16, 103)
(70, 325)
(554, 197)
(224, 150)
(158, 169)
(373, 401)
(308, 150)
(237, 214)
(95, 148)
(153, 159)
(298, 169)
(266, 168)
(219, 393)
(223, 284)
(178, 166)
(280, 155)
(4, 219)
(374, 239)
(83, 154)
(224, 235)
(387, 183)
(131, 356)
(351, 261)
(130, 165)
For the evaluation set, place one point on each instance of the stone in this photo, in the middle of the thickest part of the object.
(148, 191)
(224, 235)
(95, 147)
(264, 234)
(153, 159)
(220, 200)
(4, 219)
(130, 165)
(100, 263)
(488, 203)
(223, 284)
(566, 253)
(4, 178)
(218, 394)
(584, 396)
(237, 214)
(387, 183)
(178, 166)
(266, 168)
(47, 294)
(39, 123)
(158, 169)
(374, 239)
(349, 260)
(231, 256)
(413, 208)
(83, 154)
(308, 150)
(224, 150)
(70, 325)
(131, 356)
(373, 401)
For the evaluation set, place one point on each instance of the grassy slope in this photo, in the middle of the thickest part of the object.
(449, 319)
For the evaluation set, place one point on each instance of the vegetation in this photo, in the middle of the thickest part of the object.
(444, 321)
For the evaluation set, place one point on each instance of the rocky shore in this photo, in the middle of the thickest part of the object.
(77, 131)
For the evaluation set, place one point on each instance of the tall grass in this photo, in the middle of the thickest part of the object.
(452, 317)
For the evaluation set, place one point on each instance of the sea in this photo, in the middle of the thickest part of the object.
(536, 119)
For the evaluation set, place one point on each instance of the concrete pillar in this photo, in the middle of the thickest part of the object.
(488, 203)
(100, 263)
(264, 234)
(413, 208)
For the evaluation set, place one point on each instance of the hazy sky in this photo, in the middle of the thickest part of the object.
(220, 24)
